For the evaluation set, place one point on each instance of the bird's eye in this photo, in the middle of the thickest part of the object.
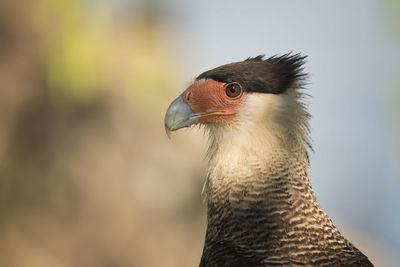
(233, 90)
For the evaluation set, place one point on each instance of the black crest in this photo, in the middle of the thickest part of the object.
(273, 75)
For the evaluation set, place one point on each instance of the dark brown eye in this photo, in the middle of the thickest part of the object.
(233, 90)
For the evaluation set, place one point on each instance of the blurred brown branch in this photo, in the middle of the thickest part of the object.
(86, 174)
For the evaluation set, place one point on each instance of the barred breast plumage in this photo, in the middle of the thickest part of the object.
(272, 218)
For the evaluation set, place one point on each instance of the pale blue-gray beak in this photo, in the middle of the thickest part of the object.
(179, 115)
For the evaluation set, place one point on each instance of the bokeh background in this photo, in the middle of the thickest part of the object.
(87, 174)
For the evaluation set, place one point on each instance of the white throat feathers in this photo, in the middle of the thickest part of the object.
(269, 124)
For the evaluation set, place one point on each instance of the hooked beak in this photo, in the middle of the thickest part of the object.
(179, 115)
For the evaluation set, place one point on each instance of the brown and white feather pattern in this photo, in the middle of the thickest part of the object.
(262, 210)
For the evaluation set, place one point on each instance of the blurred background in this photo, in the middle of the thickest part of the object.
(87, 174)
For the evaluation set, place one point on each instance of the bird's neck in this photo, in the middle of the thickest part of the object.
(247, 158)
(263, 185)
(262, 206)
(257, 176)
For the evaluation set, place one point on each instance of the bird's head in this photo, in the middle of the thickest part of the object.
(245, 100)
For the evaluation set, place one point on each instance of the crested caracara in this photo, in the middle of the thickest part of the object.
(262, 210)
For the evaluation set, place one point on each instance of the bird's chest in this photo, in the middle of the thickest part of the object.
(247, 209)
(247, 187)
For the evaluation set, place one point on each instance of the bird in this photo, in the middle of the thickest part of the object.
(261, 207)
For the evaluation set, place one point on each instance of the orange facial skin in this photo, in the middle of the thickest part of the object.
(209, 100)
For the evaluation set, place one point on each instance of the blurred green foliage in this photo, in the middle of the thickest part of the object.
(394, 90)
(72, 49)
(395, 15)
(89, 54)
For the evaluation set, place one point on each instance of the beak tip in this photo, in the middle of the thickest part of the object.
(168, 132)
(178, 115)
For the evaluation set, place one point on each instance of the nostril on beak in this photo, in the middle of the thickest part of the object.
(188, 96)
